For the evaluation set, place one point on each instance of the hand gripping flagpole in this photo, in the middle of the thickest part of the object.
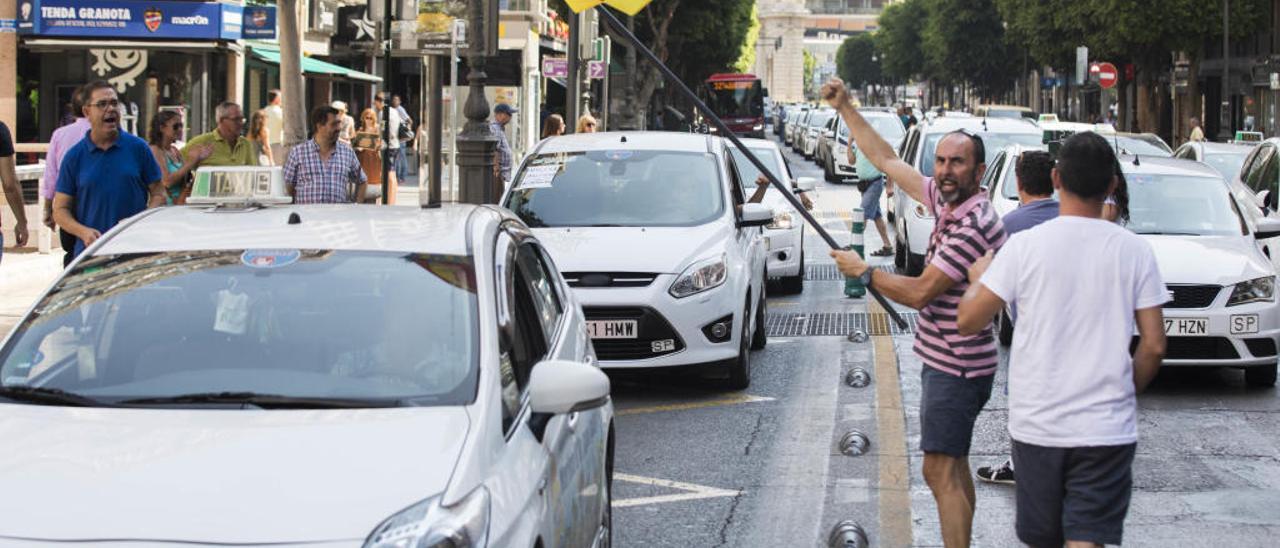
(634, 42)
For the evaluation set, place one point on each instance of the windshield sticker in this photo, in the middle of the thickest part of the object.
(269, 258)
(540, 176)
(618, 155)
(232, 316)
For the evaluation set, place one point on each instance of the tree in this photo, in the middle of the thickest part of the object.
(747, 57)
(291, 87)
(810, 64)
(964, 42)
(898, 39)
(854, 61)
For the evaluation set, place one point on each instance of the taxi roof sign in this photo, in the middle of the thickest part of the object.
(629, 7)
(1248, 137)
(253, 185)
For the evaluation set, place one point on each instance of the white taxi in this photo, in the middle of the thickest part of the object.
(1222, 288)
(653, 232)
(784, 237)
(318, 375)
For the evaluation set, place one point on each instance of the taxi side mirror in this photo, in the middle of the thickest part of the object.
(558, 386)
(756, 215)
(1267, 228)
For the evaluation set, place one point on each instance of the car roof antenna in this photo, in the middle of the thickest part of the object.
(624, 138)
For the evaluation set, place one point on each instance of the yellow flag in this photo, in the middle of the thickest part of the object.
(629, 7)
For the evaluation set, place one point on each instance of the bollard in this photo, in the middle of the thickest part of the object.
(857, 336)
(857, 378)
(847, 534)
(853, 286)
(854, 443)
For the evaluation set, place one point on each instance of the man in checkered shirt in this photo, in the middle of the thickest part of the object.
(322, 170)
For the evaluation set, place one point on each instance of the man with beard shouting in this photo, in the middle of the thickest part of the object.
(108, 176)
(958, 370)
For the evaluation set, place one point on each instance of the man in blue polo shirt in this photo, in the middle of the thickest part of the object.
(106, 177)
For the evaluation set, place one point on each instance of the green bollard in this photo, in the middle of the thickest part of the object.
(852, 286)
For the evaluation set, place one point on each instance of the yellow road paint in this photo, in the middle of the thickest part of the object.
(895, 478)
(731, 400)
(692, 491)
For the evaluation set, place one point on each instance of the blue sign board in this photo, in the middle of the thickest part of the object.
(141, 19)
(259, 22)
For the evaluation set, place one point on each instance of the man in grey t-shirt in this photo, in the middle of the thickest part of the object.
(1073, 389)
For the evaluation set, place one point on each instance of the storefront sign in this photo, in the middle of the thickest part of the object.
(8, 25)
(131, 19)
(259, 22)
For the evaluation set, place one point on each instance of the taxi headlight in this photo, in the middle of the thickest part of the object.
(700, 276)
(1254, 291)
(427, 524)
(782, 221)
(757, 127)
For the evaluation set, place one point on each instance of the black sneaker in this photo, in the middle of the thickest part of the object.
(997, 474)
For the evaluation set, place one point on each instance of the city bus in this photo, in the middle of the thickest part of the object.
(738, 99)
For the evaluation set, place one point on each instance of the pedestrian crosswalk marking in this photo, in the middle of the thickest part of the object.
(731, 400)
(692, 491)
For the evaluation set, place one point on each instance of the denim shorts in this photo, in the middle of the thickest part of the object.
(949, 407)
(871, 200)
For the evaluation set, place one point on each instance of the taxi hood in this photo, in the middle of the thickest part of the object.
(660, 250)
(1182, 259)
(218, 476)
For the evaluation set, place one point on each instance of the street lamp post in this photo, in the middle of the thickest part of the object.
(476, 144)
(1224, 116)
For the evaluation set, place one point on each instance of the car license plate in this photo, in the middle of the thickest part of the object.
(1244, 323)
(1186, 326)
(611, 329)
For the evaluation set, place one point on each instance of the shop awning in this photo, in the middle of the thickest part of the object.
(312, 66)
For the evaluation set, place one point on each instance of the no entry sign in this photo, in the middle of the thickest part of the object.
(1106, 73)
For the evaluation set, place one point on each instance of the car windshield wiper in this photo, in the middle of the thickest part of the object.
(1158, 233)
(266, 401)
(48, 396)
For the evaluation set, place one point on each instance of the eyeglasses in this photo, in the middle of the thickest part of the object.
(106, 103)
(234, 119)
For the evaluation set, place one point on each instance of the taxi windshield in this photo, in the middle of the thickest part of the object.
(378, 327)
(618, 188)
(1181, 205)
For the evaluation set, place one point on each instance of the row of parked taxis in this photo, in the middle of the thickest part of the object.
(346, 375)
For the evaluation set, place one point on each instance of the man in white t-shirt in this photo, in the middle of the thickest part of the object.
(275, 126)
(1072, 383)
(397, 155)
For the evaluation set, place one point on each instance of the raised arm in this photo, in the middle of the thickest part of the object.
(877, 150)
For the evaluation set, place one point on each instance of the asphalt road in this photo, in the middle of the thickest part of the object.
(699, 466)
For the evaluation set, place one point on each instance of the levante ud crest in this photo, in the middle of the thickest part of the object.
(152, 18)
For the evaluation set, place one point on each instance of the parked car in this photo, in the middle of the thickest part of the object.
(1001, 185)
(784, 237)
(1226, 158)
(306, 375)
(1005, 111)
(794, 123)
(826, 140)
(913, 220)
(1143, 144)
(888, 125)
(654, 235)
(808, 138)
(1257, 186)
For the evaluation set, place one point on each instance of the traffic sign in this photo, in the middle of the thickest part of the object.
(629, 7)
(555, 67)
(596, 69)
(1107, 74)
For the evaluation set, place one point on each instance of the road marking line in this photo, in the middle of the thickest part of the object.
(731, 400)
(895, 478)
(693, 491)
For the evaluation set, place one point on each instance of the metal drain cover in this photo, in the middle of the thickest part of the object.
(854, 443)
(847, 534)
(857, 378)
(857, 336)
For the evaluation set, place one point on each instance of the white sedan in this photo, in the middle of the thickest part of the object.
(653, 232)
(1222, 288)
(306, 376)
(785, 235)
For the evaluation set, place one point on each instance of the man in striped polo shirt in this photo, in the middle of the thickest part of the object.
(958, 373)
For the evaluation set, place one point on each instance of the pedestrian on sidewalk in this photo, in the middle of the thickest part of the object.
(106, 177)
(1034, 173)
(393, 143)
(166, 128)
(229, 147)
(62, 140)
(258, 136)
(275, 126)
(1197, 134)
(348, 123)
(323, 170)
(871, 185)
(958, 369)
(368, 147)
(587, 124)
(503, 159)
(553, 126)
(12, 190)
(1073, 390)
